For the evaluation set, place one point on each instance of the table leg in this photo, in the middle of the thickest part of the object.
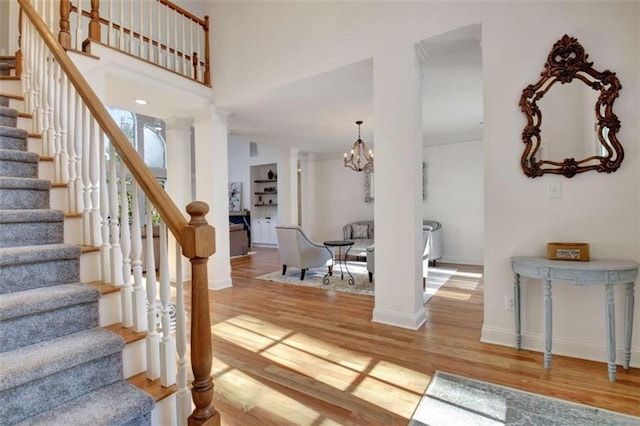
(611, 330)
(351, 280)
(548, 323)
(325, 279)
(628, 325)
(516, 300)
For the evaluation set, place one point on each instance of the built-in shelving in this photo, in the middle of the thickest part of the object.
(265, 180)
(264, 199)
(266, 193)
(265, 205)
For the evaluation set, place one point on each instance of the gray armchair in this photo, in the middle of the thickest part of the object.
(297, 250)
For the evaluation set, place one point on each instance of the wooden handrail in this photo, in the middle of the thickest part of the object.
(147, 181)
(183, 12)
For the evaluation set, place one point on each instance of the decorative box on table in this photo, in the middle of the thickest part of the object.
(568, 251)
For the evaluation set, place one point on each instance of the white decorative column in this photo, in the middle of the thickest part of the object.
(211, 168)
(307, 183)
(398, 188)
(288, 187)
(178, 133)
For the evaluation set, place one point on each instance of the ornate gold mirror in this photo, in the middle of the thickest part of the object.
(575, 140)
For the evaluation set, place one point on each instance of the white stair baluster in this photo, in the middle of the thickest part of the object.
(78, 143)
(150, 47)
(105, 249)
(183, 397)
(153, 355)
(140, 32)
(114, 223)
(94, 177)
(55, 118)
(167, 344)
(125, 244)
(139, 298)
(131, 37)
(86, 180)
(63, 119)
(71, 140)
(110, 26)
(122, 41)
(79, 37)
(175, 41)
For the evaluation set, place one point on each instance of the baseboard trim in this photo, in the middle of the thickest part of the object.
(400, 319)
(566, 347)
(461, 261)
(220, 284)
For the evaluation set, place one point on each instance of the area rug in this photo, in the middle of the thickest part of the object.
(437, 277)
(313, 278)
(457, 400)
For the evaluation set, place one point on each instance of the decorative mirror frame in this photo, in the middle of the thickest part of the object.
(567, 61)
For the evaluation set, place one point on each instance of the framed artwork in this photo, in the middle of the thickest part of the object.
(368, 184)
(235, 195)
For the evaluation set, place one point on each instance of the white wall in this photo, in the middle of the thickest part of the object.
(455, 198)
(338, 198)
(252, 54)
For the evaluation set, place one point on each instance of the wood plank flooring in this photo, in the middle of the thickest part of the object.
(286, 354)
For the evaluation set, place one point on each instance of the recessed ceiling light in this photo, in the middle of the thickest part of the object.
(141, 102)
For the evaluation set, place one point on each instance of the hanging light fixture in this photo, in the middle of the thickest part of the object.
(360, 158)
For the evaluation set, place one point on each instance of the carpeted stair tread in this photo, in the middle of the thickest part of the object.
(30, 363)
(31, 254)
(24, 193)
(31, 215)
(117, 404)
(14, 155)
(4, 101)
(28, 267)
(8, 116)
(12, 138)
(24, 183)
(30, 302)
(20, 164)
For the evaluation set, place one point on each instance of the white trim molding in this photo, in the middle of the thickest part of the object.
(400, 319)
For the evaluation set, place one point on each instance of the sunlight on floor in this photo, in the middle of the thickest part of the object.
(393, 388)
(454, 295)
(273, 405)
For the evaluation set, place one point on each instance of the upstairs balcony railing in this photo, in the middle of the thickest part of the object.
(156, 31)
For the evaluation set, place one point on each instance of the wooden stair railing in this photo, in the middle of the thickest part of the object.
(178, 34)
(196, 238)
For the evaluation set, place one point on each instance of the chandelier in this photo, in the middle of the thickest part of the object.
(360, 158)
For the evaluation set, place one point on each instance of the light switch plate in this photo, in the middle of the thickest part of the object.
(554, 190)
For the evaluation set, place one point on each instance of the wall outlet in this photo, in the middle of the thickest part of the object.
(508, 302)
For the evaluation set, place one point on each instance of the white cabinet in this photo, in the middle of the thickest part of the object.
(263, 231)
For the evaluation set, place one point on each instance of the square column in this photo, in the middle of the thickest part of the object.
(178, 186)
(212, 186)
(288, 187)
(398, 185)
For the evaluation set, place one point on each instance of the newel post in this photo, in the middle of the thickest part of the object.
(94, 25)
(199, 243)
(64, 37)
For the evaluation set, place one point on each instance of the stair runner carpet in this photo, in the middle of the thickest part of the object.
(57, 366)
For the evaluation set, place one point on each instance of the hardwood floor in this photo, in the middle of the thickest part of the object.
(286, 354)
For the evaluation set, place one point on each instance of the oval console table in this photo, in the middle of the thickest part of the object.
(596, 272)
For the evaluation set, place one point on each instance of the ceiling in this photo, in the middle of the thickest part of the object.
(318, 114)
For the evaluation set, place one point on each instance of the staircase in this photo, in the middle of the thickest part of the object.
(57, 365)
